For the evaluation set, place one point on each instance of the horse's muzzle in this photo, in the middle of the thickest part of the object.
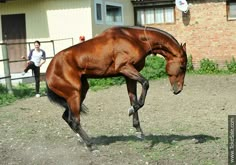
(176, 89)
(177, 92)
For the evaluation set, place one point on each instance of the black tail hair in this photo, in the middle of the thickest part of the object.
(53, 97)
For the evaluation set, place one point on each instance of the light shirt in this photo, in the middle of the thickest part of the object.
(36, 56)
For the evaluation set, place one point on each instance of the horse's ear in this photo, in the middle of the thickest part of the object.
(184, 46)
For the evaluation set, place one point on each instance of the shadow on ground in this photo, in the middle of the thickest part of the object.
(154, 139)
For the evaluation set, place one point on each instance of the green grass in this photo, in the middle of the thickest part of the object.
(20, 91)
(154, 69)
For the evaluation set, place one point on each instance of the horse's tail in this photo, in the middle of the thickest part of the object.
(53, 97)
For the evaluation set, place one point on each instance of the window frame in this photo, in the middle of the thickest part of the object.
(154, 8)
(228, 10)
(95, 12)
(122, 13)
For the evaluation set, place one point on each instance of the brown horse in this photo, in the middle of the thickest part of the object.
(118, 51)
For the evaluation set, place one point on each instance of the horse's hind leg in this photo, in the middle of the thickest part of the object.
(72, 112)
(67, 116)
(132, 91)
(75, 107)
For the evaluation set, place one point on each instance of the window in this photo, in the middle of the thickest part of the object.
(114, 14)
(231, 10)
(98, 12)
(155, 15)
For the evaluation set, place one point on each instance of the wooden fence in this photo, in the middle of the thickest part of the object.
(54, 46)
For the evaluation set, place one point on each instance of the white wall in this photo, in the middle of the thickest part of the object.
(51, 20)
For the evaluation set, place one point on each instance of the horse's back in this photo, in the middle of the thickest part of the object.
(97, 57)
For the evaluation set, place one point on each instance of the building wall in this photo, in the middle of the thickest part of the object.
(51, 20)
(48, 20)
(128, 15)
(206, 31)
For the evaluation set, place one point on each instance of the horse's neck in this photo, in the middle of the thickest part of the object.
(155, 40)
(161, 42)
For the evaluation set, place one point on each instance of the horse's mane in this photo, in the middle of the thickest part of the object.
(152, 29)
(164, 32)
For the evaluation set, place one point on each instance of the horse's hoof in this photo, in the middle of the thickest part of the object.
(140, 135)
(131, 110)
(92, 148)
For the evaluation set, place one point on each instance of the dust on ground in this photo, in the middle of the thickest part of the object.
(190, 128)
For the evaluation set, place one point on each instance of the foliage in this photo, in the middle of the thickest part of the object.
(19, 91)
(97, 84)
(231, 66)
(154, 68)
(5, 98)
(208, 66)
(190, 67)
(23, 90)
(3, 89)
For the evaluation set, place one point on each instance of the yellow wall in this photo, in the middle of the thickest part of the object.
(57, 19)
(52, 19)
(49, 20)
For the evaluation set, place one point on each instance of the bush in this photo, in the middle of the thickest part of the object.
(231, 66)
(5, 98)
(154, 68)
(190, 64)
(24, 90)
(102, 83)
(3, 89)
(208, 66)
(20, 91)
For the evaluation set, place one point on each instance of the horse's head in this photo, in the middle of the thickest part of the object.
(176, 68)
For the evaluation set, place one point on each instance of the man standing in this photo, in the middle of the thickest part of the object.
(36, 58)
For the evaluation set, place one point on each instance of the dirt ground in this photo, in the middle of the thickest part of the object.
(190, 128)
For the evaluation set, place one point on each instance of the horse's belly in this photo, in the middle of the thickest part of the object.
(101, 72)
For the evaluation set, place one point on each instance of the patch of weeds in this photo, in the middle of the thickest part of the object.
(154, 68)
(23, 90)
(97, 84)
(208, 66)
(231, 66)
(20, 91)
(190, 67)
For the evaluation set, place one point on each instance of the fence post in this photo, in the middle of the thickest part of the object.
(53, 47)
(7, 68)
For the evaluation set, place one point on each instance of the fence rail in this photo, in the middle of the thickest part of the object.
(54, 47)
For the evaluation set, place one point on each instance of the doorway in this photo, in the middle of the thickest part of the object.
(14, 35)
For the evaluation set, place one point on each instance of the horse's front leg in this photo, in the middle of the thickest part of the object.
(132, 92)
(131, 73)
